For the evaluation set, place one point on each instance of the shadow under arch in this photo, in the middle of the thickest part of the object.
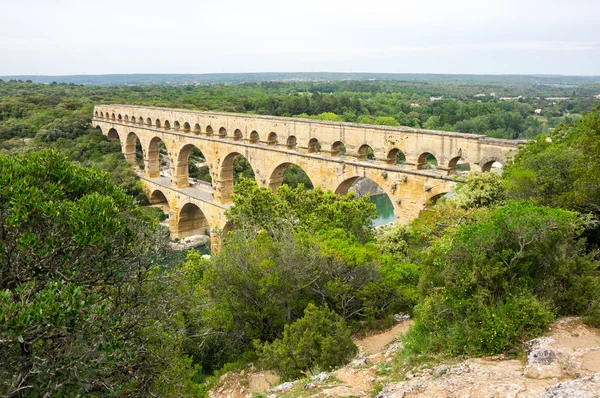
(113, 135)
(289, 174)
(191, 221)
(157, 197)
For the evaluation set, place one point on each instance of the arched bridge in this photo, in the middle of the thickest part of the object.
(333, 155)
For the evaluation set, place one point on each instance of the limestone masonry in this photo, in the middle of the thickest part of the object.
(272, 143)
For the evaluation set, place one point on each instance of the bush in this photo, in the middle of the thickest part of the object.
(500, 278)
(319, 339)
(452, 325)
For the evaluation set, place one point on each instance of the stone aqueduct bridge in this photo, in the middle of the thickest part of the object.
(271, 144)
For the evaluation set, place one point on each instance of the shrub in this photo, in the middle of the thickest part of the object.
(319, 339)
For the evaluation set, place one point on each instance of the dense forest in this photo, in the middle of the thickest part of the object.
(88, 307)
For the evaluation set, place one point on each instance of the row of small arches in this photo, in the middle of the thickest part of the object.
(338, 148)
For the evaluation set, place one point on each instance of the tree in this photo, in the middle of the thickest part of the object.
(82, 308)
(303, 210)
(318, 339)
(500, 278)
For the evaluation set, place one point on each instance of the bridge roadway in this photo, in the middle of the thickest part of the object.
(333, 155)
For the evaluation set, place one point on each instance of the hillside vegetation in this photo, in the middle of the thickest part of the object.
(87, 306)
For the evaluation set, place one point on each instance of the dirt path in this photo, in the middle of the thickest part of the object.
(373, 344)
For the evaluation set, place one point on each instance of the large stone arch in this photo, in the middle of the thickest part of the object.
(158, 197)
(341, 188)
(224, 186)
(276, 174)
(152, 157)
(181, 169)
(190, 220)
(434, 192)
(129, 148)
(113, 134)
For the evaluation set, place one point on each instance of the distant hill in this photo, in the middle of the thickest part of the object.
(215, 78)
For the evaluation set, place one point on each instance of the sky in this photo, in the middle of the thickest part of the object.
(65, 37)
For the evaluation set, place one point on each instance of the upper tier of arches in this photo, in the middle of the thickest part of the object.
(392, 155)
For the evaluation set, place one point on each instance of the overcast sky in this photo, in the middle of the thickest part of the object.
(63, 37)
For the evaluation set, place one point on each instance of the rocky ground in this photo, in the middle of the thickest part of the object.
(563, 363)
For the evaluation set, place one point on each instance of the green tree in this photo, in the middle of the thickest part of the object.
(305, 210)
(82, 309)
(319, 339)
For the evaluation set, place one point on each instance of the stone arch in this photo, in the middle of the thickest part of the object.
(96, 113)
(101, 115)
(434, 193)
(238, 135)
(427, 160)
(313, 146)
(167, 125)
(197, 129)
(222, 132)
(186, 127)
(191, 221)
(182, 168)
(365, 152)
(157, 197)
(454, 165)
(176, 125)
(113, 135)
(119, 117)
(149, 122)
(209, 130)
(338, 149)
(345, 185)
(272, 139)
(132, 119)
(153, 157)
(141, 120)
(487, 163)
(276, 176)
(254, 137)
(227, 177)
(113, 117)
(131, 149)
(157, 123)
(291, 142)
(126, 118)
(396, 156)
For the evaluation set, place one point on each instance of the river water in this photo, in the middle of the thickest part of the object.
(385, 209)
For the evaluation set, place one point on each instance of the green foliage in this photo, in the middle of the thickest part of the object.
(77, 259)
(560, 170)
(303, 210)
(456, 326)
(479, 190)
(395, 239)
(319, 339)
(514, 265)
